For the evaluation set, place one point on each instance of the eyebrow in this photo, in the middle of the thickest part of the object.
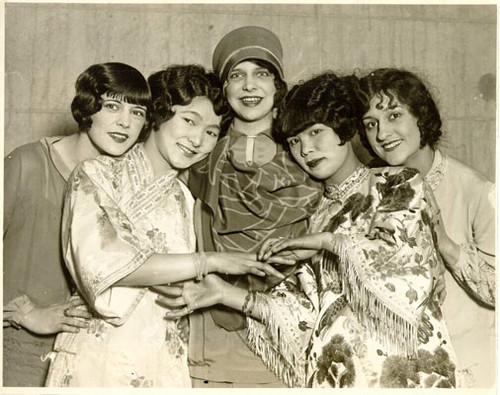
(258, 68)
(120, 100)
(192, 112)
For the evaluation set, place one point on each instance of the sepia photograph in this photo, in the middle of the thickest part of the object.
(249, 196)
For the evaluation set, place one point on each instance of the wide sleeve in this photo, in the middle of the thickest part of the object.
(14, 190)
(12, 186)
(475, 268)
(100, 244)
(288, 315)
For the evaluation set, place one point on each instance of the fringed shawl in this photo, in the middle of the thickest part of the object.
(385, 258)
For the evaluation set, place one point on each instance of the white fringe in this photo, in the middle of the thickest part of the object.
(282, 361)
(395, 332)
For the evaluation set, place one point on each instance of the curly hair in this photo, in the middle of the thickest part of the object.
(179, 85)
(326, 99)
(114, 79)
(281, 89)
(407, 88)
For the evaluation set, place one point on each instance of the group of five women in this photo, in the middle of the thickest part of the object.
(220, 197)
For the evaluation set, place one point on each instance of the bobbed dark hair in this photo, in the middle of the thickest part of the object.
(324, 99)
(408, 89)
(115, 79)
(179, 85)
(281, 88)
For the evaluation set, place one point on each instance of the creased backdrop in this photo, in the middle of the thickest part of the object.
(452, 46)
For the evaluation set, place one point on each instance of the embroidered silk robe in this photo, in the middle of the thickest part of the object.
(366, 312)
(116, 215)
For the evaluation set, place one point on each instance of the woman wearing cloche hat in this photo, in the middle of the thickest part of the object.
(248, 190)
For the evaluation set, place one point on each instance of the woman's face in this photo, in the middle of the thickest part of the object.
(392, 131)
(116, 126)
(318, 151)
(250, 91)
(190, 135)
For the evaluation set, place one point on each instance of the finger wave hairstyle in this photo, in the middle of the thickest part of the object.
(406, 88)
(115, 79)
(325, 99)
(179, 85)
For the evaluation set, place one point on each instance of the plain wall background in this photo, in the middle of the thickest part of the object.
(452, 46)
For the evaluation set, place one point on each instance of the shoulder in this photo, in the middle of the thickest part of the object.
(395, 174)
(398, 188)
(27, 161)
(101, 168)
(464, 174)
(28, 153)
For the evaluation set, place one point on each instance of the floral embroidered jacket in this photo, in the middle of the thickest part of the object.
(116, 215)
(365, 313)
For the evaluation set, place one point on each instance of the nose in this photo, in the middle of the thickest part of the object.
(306, 147)
(196, 138)
(249, 82)
(124, 118)
(384, 130)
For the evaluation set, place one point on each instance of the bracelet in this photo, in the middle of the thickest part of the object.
(200, 265)
(248, 307)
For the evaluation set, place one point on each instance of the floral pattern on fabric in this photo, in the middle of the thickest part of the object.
(116, 215)
(375, 287)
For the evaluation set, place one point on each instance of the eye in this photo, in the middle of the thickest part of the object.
(213, 133)
(314, 132)
(370, 125)
(189, 121)
(112, 106)
(293, 141)
(139, 113)
(235, 75)
(264, 73)
(395, 115)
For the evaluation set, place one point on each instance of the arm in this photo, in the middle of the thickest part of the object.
(279, 322)
(22, 311)
(103, 248)
(164, 269)
(473, 264)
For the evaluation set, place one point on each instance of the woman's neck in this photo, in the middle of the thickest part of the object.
(76, 148)
(254, 127)
(349, 166)
(421, 160)
(158, 162)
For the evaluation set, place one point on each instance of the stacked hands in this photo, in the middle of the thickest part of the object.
(183, 298)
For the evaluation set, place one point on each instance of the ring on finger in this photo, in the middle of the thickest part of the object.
(66, 312)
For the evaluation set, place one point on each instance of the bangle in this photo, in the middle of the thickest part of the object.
(248, 306)
(200, 265)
